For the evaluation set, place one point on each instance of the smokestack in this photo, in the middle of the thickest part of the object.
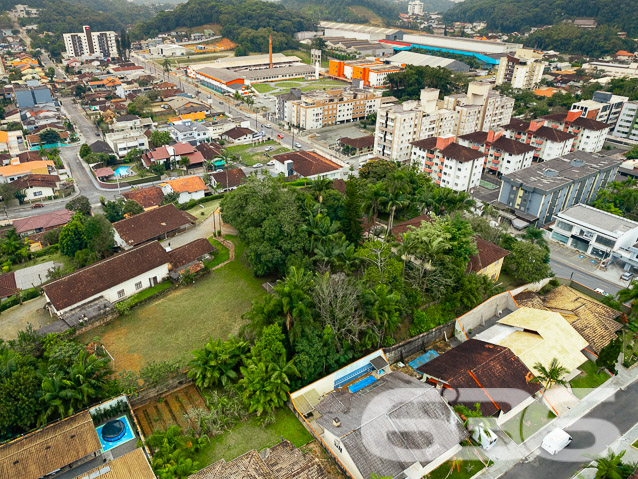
(270, 50)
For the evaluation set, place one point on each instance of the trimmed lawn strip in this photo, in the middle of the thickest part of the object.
(250, 435)
(183, 319)
(263, 87)
(205, 208)
(527, 422)
(582, 385)
(635, 444)
(287, 84)
(67, 263)
(222, 253)
(147, 293)
(463, 465)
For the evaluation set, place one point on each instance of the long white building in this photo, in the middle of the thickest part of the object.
(627, 125)
(89, 44)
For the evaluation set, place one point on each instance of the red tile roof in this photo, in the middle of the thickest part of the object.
(146, 197)
(36, 181)
(183, 148)
(488, 253)
(189, 252)
(358, 143)
(45, 221)
(235, 177)
(152, 224)
(307, 163)
(461, 153)
(187, 184)
(8, 286)
(401, 228)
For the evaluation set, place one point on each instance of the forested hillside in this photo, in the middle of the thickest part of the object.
(520, 15)
(247, 22)
(341, 11)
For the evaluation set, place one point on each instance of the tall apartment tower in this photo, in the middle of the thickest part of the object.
(523, 70)
(415, 7)
(89, 44)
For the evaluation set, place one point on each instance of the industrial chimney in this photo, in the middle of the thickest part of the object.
(270, 50)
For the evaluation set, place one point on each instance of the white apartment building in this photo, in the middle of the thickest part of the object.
(124, 141)
(590, 134)
(615, 70)
(502, 155)
(399, 125)
(549, 143)
(604, 107)
(319, 108)
(522, 70)
(627, 124)
(90, 44)
(415, 7)
(449, 164)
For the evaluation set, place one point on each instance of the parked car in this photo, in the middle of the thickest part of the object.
(602, 291)
(281, 137)
(37, 205)
(271, 163)
(269, 148)
(626, 276)
(268, 126)
(258, 165)
(297, 145)
(556, 441)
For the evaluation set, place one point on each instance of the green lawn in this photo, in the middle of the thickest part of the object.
(287, 84)
(57, 257)
(585, 383)
(249, 156)
(323, 84)
(250, 435)
(635, 444)
(182, 319)
(463, 465)
(222, 253)
(527, 422)
(263, 87)
(204, 210)
(147, 293)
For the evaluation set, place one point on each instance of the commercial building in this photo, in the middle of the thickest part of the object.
(549, 143)
(590, 134)
(361, 32)
(627, 124)
(603, 106)
(404, 58)
(597, 233)
(502, 155)
(90, 44)
(371, 73)
(543, 190)
(523, 70)
(319, 108)
(614, 70)
(448, 164)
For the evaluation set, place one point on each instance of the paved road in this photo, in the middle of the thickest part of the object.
(563, 269)
(592, 434)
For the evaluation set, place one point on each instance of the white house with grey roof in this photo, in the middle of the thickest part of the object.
(377, 421)
(189, 132)
(598, 233)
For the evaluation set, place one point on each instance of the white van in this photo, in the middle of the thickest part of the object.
(556, 441)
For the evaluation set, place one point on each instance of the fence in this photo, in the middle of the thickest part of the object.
(399, 352)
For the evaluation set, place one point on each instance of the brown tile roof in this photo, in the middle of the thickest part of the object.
(401, 228)
(512, 147)
(517, 125)
(461, 153)
(183, 148)
(47, 220)
(152, 224)
(488, 253)
(51, 448)
(553, 134)
(476, 137)
(235, 177)
(189, 252)
(307, 163)
(426, 144)
(29, 156)
(589, 124)
(475, 364)
(209, 150)
(339, 185)
(8, 286)
(146, 197)
(104, 172)
(105, 274)
(238, 132)
(187, 184)
(36, 181)
(132, 465)
(358, 143)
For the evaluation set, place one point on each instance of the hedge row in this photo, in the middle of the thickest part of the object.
(192, 203)
(146, 179)
(14, 300)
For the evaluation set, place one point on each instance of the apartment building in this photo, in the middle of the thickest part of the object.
(502, 155)
(415, 7)
(549, 142)
(603, 106)
(124, 141)
(590, 134)
(627, 124)
(399, 125)
(318, 108)
(480, 109)
(543, 190)
(523, 70)
(90, 44)
(449, 164)
(371, 73)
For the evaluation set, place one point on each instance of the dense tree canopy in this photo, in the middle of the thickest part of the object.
(343, 11)
(407, 85)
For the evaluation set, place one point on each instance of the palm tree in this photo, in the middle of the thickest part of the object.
(296, 303)
(215, 363)
(58, 394)
(320, 186)
(550, 376)
(393, 201)
(383, 310)
(373, 195)
(166, 64)
(629, 295)
(609, 467)
(266, 387)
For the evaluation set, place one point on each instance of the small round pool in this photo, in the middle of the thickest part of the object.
(113, 430)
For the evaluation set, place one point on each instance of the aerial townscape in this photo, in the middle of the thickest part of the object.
(346, 239)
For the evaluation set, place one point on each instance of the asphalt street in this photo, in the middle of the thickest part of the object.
(563, 269)
(591, 435)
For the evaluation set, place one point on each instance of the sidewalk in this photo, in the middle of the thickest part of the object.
(529, 449)
(587, 264)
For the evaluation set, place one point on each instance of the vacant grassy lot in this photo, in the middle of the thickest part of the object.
(250, 155)
(204, 210)
(251, 435)
(589, 380)
(222, 253)
(183, 319)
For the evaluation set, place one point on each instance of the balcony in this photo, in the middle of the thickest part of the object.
(429, 163)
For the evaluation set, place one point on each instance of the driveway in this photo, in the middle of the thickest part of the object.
(33, 275)
(19, 317)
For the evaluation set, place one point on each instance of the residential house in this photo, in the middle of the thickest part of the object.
(131, 465)
(126, 140)
(226, 180)
(154, 224)
(488, 260)
(14, 171)
(549, 142)
(43, 222)
(537, 336)
(54, 448)
(131, 122)
(210, 150)
(188, 257)
(594, 321)
(399, 229)
(101, 146)
(186, 187)
(8, 286)
(148, 198)
(355, 411)
(217, 128)
(12, 141)
(543, 190)
(447, 163)
(502, 155)
(189, 132)
(488, 374)
(169, 156)
(308, 164)
(31, 97)
(239, 135)
(357, 146)
(590, 134)
(37, 187)
(33, 141)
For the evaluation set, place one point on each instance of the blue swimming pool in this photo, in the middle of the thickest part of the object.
(127, 436)
(123, 171)
(424, 358)
(361, 384)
